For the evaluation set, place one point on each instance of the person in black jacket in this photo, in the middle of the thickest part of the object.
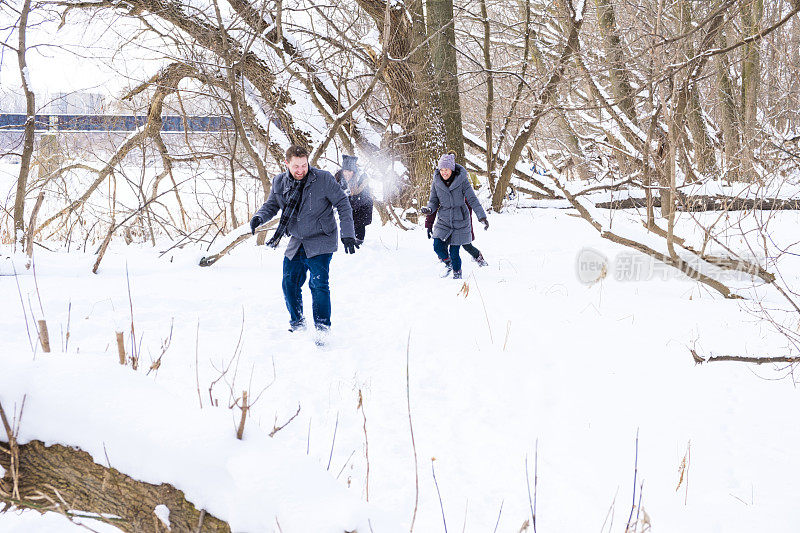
(354, 184)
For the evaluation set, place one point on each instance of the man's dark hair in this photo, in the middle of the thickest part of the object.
(296, 151)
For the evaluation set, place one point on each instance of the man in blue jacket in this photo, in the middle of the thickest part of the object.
(306, 197)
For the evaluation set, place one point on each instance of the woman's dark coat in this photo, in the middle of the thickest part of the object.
(360, 198)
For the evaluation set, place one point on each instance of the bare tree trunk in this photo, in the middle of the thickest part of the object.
(752, 12)
(729, 115)
(701, 141)
(408, 79)
(570, 138)
(618, 73)
(487, 65)
(680, 100)
(27, 146)
(441, 29)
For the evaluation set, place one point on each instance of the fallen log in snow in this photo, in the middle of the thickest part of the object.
(708, 203)
(66, 480)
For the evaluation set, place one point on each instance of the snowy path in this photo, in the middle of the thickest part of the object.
(578, 368)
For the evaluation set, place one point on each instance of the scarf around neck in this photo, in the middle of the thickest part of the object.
(295, 196)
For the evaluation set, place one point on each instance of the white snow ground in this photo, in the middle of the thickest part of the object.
(529, 353)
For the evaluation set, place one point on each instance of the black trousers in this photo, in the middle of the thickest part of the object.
(471, 250)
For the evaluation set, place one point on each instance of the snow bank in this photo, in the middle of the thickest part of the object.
(146, 432)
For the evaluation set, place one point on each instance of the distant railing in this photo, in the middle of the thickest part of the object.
(77, 123)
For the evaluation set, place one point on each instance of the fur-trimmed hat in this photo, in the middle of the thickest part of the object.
(349, 163)
(447, 161)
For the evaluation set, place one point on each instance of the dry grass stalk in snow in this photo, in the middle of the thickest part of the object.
(243, 407)
(44, 336)
(121, 347)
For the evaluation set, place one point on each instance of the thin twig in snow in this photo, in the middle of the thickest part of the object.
(333, 441)
(196, 362)
(498, 516)
(24, 311)
(308, 437)
(610, 513)
(532, 501)
(134, 352)
(345, 464)
(366, 440)
(411, 430)
(635, 472)
(436, 483)
(639, 505)
(485, 312)
(36, 284)
(276, 428)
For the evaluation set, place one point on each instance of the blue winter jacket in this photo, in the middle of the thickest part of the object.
(314, 226)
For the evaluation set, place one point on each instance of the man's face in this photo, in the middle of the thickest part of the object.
(298, 167)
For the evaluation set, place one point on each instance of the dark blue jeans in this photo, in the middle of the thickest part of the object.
(440, 247)
(294, 276)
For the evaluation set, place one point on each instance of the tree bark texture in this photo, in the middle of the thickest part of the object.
(487, 64)
(27, 144)
(701, 141)
(729, 115)
(408, 81)
(752, 12)
(618, 73)
(66, 479)
(441, 29)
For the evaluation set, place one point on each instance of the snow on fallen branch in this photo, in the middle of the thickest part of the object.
(698, 359)
(234, 239)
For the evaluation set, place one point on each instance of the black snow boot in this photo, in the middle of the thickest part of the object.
(456, 274)
(481, 261)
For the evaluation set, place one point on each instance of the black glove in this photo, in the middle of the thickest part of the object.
(430, 232)
(254, 223)
(350, 245)
(425, 210)
(485, 223)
